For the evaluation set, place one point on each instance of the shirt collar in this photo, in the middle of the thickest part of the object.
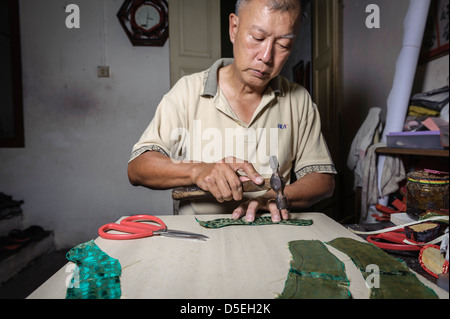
(210, 81)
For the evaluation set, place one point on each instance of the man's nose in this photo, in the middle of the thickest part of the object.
(266, 52)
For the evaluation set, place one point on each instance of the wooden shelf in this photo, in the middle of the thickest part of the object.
(411, 151)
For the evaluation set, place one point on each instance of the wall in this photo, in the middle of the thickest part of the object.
(369, 57)
(79, 129)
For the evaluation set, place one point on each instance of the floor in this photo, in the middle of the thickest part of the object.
(32, 277)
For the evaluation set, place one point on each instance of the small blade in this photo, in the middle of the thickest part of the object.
(182, 234)
(274, 163)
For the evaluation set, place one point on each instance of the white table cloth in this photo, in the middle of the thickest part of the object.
(237, 262)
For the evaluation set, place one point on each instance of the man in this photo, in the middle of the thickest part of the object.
(217, 128)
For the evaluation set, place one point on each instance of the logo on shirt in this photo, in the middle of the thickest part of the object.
(283, 126)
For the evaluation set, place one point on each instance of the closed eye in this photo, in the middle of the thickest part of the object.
(257, 39)
(285, 45)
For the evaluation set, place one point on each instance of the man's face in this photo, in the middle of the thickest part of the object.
(263, 40)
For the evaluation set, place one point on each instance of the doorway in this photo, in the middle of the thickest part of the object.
(11, 109)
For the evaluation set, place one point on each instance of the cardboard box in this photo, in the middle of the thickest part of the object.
(430, 140)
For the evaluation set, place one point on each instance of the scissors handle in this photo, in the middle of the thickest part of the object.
(132, 232)
(132, 227)
(133, 221)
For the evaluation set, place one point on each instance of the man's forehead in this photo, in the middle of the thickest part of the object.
(256, 12)
(262, 29)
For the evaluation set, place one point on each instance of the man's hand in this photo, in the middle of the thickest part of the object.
(303, 193)
(222, 179)
(265, 202)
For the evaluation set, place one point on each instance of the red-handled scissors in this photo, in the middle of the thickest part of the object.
(135, 227)
(395, 241)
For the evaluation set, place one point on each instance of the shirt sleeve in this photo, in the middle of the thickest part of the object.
(312, 154)
(166, 131)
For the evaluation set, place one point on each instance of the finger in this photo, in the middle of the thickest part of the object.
(235, 185)
(274, 212)
(251, 172)
(285, 214)
(237, 192)
(215, 191)
(239, 212)
(244, 179)
(224, 189)
(252, 208)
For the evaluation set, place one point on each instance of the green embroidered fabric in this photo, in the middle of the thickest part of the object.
(96, 276)
(314, 273)
(395, 279)
(263, 220)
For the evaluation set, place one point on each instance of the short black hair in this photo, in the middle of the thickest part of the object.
(277, 5)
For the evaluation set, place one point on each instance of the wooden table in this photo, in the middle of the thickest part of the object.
(238, 262)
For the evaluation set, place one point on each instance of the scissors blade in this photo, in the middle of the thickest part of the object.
(181, 234)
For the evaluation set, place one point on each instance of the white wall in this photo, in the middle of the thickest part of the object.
(79, 129)
(370, 56)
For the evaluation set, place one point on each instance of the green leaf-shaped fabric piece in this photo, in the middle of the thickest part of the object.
(315, 273)
(263, 220)
(396, 281)
(96, 276)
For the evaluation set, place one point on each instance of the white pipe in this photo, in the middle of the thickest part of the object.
(398, 100)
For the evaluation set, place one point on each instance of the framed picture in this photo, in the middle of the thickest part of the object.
(435, 41)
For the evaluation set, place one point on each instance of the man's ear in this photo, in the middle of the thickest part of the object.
(234, 23)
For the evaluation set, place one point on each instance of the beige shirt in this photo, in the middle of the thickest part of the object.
(194, 121)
